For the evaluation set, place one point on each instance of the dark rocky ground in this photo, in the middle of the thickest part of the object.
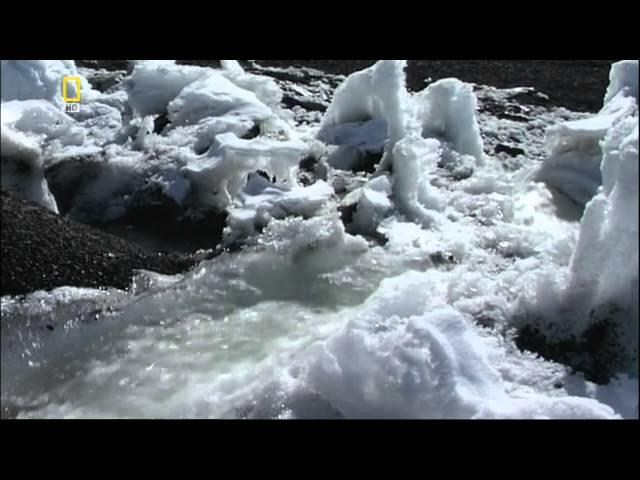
(575, 84)
(43, 251)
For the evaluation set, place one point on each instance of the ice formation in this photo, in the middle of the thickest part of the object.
(372, 111)
(601, 289)
(575, 153)
(379, 94)
(447, 110)
(314, 317)
(623, 79)
(222, 172)
(604, 267)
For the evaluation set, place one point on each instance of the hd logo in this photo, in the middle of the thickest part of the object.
(71, 103)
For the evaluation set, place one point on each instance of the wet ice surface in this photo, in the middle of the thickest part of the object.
(310, 321)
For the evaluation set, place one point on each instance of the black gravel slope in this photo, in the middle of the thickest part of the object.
(574, 84)
(42, 251)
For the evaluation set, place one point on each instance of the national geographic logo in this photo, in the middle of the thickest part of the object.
(71, 94)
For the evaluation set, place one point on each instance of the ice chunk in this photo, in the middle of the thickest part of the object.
(575, 174)
(623, 78)
(372, 205)
(355, 141)
(620, 232)
(380, 184)
(414, 159)
(211, 127)
(377, 93)
(372, 208)
(573, 166)
(144, 132)
(261, 201)
(447, 110)
(222, 172)
(612, 151)
(585, 135)
(172, 184)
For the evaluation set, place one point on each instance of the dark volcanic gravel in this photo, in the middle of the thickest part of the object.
(42, 251)
(575, 84)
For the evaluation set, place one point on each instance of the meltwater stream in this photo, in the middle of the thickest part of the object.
(298, 327)
(198, 347)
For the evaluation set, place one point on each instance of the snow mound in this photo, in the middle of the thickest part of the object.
(40, 79)
(404, 356)
(447, 110)
(215, 96)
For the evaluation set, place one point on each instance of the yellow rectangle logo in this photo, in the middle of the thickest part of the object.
(65, 81)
